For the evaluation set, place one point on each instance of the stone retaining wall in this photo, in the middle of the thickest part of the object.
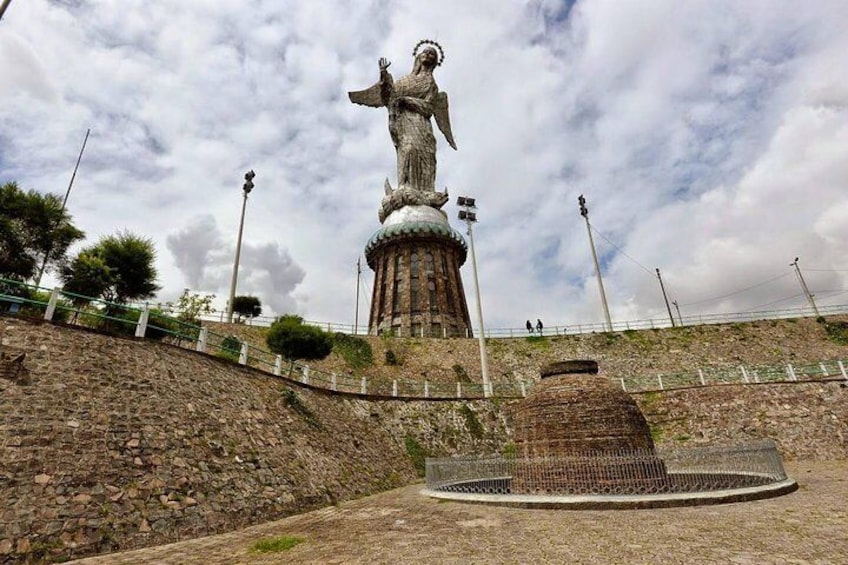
(117, 443)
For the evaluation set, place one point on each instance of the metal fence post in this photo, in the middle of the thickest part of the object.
(824, 370)
(394, 387)
(744, 374)
(333, 381)
(458, 389)
(523, 389)
(426, 389)
(141, 326)
(201, 340)
(701, 375)
(305, 375)
(243, 353)
(842, 369)
(363, 386)
(278, 365)
(791, 372)
(659, 378)
(624, 388)
(51, 304)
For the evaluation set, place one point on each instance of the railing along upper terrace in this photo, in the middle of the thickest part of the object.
(60, 306)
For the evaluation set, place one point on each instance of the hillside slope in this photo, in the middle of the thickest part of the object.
(620, 354)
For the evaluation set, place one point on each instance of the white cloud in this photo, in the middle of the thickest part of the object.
(708, 137)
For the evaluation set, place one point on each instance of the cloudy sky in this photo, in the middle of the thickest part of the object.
(710, 139)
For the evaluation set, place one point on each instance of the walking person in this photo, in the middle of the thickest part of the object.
(539, 325)
(529, 327)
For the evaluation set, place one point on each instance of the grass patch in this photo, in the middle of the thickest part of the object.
(472, 423)
(837, 332)
(294, 402)
(275, 545)
(682, 437)
(356, 351)
(461, 373)
(656, 433)
(538, 341)
(509, 450)
(417, 453)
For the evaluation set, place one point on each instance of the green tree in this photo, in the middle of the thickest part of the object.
(87, 276)
(130, 259)
(32, 225)
(247, 306)
(191, 306)
(291, 338)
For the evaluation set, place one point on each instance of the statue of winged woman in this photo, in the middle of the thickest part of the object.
(411, 100)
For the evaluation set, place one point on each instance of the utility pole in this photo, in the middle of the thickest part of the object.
(665, 297)
(356, 315)
(3, 7)
(585, 213)
(679, 317)
(64, 202)
(469, 217)
(248, 186)
(804, 286)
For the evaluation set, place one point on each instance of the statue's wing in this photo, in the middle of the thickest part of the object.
(369, 97)
(440, 111)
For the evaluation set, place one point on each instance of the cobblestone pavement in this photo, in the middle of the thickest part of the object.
(402, 526)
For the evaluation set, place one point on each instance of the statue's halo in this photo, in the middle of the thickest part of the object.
(434, 44)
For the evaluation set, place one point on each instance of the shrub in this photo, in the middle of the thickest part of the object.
(229, 349)
(124, 322)
(391, 358)
(291, 338)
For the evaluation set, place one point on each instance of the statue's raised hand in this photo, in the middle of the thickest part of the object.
(384, 64)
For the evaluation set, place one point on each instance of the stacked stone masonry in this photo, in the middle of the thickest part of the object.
(117, 443)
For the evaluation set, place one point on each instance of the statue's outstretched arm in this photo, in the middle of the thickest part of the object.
(380, 93)
(440, 112)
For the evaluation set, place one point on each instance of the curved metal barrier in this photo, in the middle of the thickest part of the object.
(633, 472)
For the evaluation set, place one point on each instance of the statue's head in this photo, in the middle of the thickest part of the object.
(427, 58)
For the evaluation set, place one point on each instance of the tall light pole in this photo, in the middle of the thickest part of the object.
(804, 286)
(356, 314)
(585, 213)
(665, 297)
(64, 202)
(248, 186)
(3, 7)
(469, 217)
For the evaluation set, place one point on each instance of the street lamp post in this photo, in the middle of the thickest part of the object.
(248, 186)
(585, 213)
(804, 287)
(3, 6)
(469, 217)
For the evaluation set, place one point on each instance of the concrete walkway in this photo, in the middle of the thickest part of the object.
(401, 526)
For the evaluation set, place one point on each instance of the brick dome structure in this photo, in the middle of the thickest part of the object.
(576, 432)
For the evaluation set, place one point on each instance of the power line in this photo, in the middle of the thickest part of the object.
(754, 308)
(746, 289)
(646, 269)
